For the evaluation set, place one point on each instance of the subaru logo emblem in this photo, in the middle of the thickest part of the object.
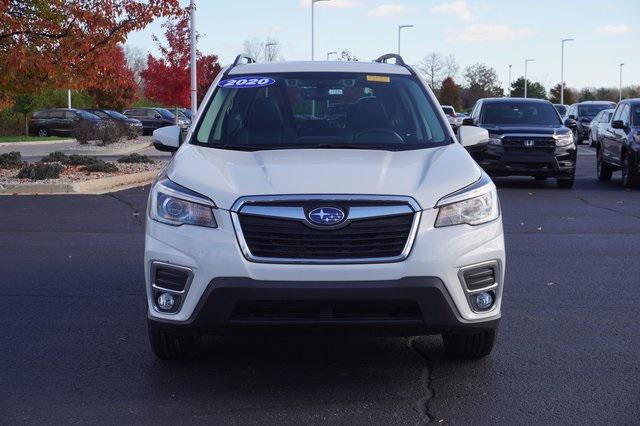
(326, 216)
(529, 143)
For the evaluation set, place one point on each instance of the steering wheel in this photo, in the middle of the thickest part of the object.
(379, 135)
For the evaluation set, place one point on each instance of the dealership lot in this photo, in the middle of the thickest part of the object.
(75, 347)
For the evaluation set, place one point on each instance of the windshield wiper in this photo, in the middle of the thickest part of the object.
(385, 147)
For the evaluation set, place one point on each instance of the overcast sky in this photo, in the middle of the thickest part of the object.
(495, 32)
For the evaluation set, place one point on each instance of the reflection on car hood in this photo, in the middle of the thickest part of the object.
(225, 175)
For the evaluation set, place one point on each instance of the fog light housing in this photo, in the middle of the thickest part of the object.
(483, 301)
(166, 302)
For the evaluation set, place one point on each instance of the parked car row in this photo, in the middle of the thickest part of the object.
(527, 137)
(137, 121)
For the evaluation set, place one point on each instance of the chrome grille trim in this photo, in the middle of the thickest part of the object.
(244, 205)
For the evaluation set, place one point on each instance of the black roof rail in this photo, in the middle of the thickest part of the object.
(384, 58)
(242, 56)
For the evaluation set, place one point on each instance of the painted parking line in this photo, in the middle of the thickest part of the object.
(583, 150)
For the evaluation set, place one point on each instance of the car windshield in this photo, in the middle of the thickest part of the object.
(165, 113)
(329, 110)
(116, 115)
(591, 110)
(525, 113)
(88, 116)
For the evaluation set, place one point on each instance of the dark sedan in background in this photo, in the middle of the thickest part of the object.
(61, 121)
(526, 138)
(131, 126)
(618, 147)
(155, 118)
(583, 113)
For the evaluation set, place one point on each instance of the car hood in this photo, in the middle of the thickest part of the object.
(540, 130)
(225, 175)
(132, 121)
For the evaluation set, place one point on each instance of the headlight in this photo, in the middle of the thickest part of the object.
(474, 205)
(564, 139)
(175, 205)
(494, 140)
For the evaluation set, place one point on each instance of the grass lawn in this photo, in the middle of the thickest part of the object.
(29, 138)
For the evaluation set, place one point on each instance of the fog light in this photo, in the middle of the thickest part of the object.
(483, 300)
(166, 301)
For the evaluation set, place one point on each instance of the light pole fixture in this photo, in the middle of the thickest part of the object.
(331, 53)
(400, 27)
(510, 79)
(526, 82)
(620, 90)
(564, 40)
(313, 4)
(266, 50)
(194, 77)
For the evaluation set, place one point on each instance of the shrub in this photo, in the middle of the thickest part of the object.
(110, 132)
(40, 171)
(82, 160)
(135, 158)
(11, 160)
(84, 132)
(56, 157)
(100, 166)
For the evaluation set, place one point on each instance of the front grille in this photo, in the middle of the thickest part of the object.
(346, 310)
(383, 237)
(519, 143)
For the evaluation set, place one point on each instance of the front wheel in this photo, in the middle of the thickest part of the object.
(603, 169)
(472, 345)
(168, 345)
(629, 171)
(42, 132)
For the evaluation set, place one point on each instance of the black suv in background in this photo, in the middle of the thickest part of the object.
(526, 138)
(131, 126)
(152, 118)
(60, 121)
(583, 113)
(618, 146)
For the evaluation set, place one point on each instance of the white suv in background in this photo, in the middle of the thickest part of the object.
(322, 197)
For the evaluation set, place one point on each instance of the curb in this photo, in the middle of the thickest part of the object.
(105, 153)
(32, 143)
(95, 186)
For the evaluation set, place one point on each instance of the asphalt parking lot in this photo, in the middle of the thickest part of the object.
(74, 347)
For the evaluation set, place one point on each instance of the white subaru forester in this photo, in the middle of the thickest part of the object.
(322, 197)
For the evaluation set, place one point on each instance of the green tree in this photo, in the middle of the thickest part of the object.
(481, 82)
(450, 93)
(587, 94)
(25, 104)
(534, 89)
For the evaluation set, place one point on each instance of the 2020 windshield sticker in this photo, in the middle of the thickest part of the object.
(246, 82)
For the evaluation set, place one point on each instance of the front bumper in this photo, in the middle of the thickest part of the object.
(429, 277)
(409, 306)
(548, 162)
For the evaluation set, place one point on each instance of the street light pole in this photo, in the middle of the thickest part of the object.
(564, 40)
(69, 98)
(620, 90)
(331, 53)
(194, 77)
(510, 79)
(526, 81)
(266, 51)
(400, 27)
(313, 4)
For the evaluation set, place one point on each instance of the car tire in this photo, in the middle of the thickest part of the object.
(43, 132)
(566, 183)
(629, 171)
(470, 345)
(168, 345)
(603, 169)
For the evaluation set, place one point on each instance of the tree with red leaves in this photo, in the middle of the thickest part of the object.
(167, 79)
(63, 43)
(116, 87)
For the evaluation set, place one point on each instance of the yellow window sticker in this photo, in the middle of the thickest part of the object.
(379, 78)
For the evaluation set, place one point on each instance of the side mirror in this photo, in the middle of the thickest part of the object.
(570, 123)
(617, 124)
(472, 135)
(468, 122)
(167, 139)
